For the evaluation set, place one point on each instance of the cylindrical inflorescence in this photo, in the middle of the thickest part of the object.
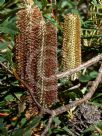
(35, 56)
(47, 66)
(33, 44)
(50, 64)
(71, 49)
(27, 45)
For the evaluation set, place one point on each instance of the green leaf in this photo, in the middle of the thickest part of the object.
(84, 90)
(33, 123)
(2, 59)
(23, 121)
(7, 30)
(2, 2)
(2, 104)
(9, 98)
(26, 130)
(99, 124)
(96, 104)
(58, 130)
(1, 123)
(3, 130)
(49, 131)
(68, 131)
(18, 94)
(44, 3)
(84, 78)
(50, 19)
(92, 128)
(8, 26)
(89, 129)
(38, 4)
(98, 95)
(28, 133)
(8, 56)
(94, 2)
(3, 45)
(56, 120)
(93, 74)
(72, 95)
(66, 4)
(19, 132)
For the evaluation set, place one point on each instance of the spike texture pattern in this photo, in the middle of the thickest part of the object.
(47, 64)
(71, 49)
(35, 56)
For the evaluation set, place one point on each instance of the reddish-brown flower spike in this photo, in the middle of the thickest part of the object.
(50, 64)
(33, 44)
(47, 66)
(35, 55)
(27, 46)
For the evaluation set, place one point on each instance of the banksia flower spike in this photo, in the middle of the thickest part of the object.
(71, 49)
(35, 56)
(34, 34)
(47, 66)
(27, 45)
(50, 64)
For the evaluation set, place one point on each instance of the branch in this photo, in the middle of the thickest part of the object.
(74, 87)
(65, 108)
(90, 93)
(69, 72)
(83, 66)
(6, 68)
(48, 126)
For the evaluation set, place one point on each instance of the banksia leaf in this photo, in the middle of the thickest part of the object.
(47, 66)
(71, 50)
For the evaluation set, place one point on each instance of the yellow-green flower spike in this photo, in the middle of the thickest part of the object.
(71, 50)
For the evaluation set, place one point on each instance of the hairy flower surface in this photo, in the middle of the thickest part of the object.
(71, 49)
(47, 66)
(35, 56)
